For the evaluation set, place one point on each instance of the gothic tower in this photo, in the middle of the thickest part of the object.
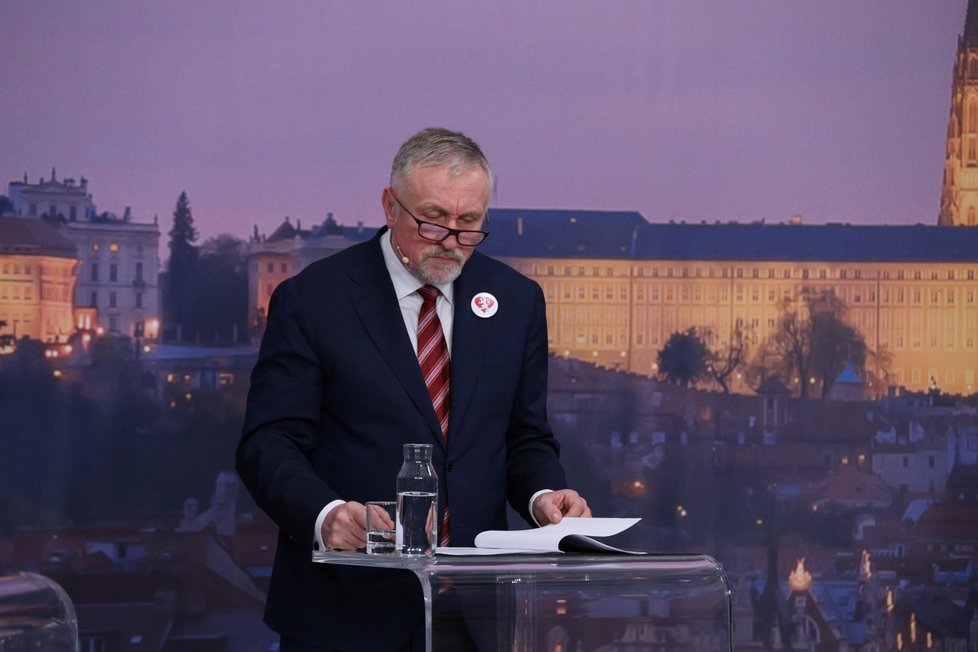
(959, 193)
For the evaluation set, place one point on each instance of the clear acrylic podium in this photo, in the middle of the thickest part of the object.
(36, 614)
(570, 602)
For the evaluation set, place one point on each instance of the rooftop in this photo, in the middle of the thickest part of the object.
(627, 235)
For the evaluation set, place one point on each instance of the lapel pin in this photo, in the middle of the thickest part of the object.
(484, 305)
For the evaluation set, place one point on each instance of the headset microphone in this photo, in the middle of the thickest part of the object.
(404, 259)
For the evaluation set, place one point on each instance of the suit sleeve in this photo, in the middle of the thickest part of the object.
(282, 420)
(532, 451)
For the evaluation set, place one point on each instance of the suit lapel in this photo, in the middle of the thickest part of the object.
(375, 302)
(471, 339)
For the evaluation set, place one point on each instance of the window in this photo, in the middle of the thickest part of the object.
(93, 302)
(270, 268)
(113, 273)
(139, 299)
(93, 272)
(114, 247)
(112, 300)
(139, 272)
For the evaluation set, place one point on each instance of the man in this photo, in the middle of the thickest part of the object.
(338, 389)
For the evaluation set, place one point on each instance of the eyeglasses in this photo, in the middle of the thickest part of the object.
(437, 233)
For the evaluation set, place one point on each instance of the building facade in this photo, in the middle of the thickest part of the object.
(117, 288)
(37, 280)
(288, 250)
(618, 286)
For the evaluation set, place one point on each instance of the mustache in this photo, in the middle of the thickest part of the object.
(454, 254)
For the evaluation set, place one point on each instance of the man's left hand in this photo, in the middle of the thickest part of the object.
(552, 506)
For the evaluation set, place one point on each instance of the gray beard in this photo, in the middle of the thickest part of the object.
(433, 274)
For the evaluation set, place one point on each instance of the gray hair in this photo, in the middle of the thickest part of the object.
(437, 146)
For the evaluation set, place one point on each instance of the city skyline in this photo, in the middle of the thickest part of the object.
(679, 110)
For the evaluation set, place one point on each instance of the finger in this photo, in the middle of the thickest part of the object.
(578, 508)
(554, 513)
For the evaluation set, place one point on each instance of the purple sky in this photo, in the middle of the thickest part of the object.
(680, 109)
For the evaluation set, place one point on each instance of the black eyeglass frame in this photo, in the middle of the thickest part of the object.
(448, 231)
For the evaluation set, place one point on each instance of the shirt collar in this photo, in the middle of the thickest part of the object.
(405, 283)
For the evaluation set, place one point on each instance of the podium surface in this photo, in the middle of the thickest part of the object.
(567, 602)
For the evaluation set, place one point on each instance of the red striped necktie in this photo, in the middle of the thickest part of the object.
(435, 367)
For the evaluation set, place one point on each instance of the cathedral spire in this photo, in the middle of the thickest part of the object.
(970, 35)
(959, 191)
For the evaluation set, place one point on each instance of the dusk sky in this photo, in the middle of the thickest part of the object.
(680, 109)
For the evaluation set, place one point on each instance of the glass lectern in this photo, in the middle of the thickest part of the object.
(569, 602)
(36, 614)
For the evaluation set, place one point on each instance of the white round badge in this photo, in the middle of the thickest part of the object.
(484, 305)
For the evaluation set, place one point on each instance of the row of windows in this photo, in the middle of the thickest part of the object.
(753, 294)
(113, 300)
(54, 209)
(17, 291)
(55, 293)
(17, 269)
(94, 270)
(748, 272)
(113, 247)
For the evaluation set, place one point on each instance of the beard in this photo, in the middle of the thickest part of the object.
(437, 272)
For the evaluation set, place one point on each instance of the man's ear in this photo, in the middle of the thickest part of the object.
(387, 201)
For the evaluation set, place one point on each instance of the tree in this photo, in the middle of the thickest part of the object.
(683, 359)
(812, 343)
(6, 206)
(219, 297)
(724, 361)
(180, 268)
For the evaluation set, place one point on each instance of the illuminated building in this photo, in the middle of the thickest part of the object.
(117, 289)
(959, 194)
(37, 278)
(618, 286)
(288, 250)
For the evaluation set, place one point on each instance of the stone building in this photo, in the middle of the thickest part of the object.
(37, 280)
(117, 288)
(287, 251)
(618, 286)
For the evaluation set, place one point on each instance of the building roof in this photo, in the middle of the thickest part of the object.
(562, 233)
(628, 235)
(32, 236)
(329, 227)
(970, 35)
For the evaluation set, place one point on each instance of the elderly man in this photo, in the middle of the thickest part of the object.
(339, 388)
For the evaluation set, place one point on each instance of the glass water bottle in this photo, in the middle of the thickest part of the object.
(417, 502)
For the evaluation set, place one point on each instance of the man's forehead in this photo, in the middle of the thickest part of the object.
(416, 183)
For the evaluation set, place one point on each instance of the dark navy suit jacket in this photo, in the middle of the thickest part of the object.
(335, 393)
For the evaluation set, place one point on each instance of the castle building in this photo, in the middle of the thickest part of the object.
(959, 194)
(117, 288)
(37, 280)
(618, 286)
(288, 250)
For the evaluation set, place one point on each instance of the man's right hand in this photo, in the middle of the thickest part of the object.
(345, 527)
